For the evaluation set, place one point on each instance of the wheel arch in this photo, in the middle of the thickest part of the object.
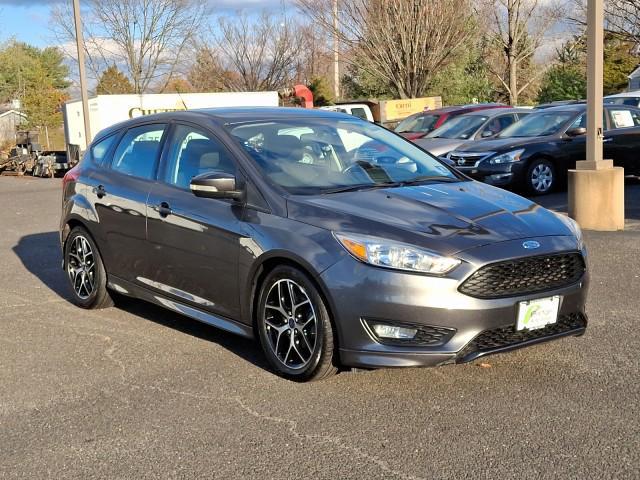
(269, 262)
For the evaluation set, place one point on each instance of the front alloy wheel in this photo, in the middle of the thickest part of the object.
(294, 326)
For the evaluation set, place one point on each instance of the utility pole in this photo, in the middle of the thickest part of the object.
(596, 187)
(83, 73)
(336, 53)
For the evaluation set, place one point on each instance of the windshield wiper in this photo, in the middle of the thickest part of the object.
(429, 178)
(361, 186)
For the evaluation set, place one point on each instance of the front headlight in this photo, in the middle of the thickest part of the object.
(399, 256)
(574, 227)
(509, 157)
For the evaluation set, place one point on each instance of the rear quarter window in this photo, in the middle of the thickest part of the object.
(100, 149)
(137, 152)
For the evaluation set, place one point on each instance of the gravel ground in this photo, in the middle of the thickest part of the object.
(138, 392)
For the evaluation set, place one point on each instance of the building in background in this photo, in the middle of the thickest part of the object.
(10, 122)
(634, 80)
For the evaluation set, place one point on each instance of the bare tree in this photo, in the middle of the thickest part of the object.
(143, 38)
(401, 42)
(519, 27)
(259, 52)
(622, 18)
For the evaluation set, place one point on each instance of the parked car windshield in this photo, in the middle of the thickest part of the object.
(538, 125)
(631, 101)
(462, 127)
(419, 123)
(320, 155)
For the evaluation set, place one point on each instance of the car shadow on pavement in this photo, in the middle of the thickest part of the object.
(41, 255)
(244, 348)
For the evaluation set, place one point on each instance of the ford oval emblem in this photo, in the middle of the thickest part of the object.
(531, 245)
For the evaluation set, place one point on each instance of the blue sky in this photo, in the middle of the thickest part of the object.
(27, 20)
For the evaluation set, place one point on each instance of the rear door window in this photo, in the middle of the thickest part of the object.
(138, 151)
(623, 118)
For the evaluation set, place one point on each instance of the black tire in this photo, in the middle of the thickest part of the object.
(541, 177)
(85, 271)
(296, 347)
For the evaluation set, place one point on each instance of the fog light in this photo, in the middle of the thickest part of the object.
(390, 331)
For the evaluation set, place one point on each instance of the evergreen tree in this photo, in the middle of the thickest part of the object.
(322, 94)
(566, 79)
(38, 78)
(112, 82)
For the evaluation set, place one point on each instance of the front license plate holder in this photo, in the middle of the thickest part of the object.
(538, 313)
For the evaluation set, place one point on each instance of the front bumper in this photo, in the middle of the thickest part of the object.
(360, 293)
(499, 175)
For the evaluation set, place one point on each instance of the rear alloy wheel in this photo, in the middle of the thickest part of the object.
(294, 326)
(541, 177)
(85, 271)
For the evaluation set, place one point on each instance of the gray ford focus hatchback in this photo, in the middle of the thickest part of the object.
(332, 241)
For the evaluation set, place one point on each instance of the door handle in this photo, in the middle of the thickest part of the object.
(164, 209)
(607, 140)
(99, 191)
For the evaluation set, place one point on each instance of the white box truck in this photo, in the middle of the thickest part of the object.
(106, 110)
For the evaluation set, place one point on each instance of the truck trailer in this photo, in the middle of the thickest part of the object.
(107, 110)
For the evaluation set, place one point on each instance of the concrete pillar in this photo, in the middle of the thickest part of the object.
(596, 196)
(596, 188)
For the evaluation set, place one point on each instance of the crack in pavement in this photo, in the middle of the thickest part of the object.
(292, 426)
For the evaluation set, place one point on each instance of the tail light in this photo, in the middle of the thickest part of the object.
(71, 176)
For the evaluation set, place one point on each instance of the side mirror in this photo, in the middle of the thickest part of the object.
(215, 184)
(487, 134)
(576, 132)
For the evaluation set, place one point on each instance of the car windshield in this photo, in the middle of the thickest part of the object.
(462, 127)
(418, 123)
(538, 125)
(321, 155)
(631, 101)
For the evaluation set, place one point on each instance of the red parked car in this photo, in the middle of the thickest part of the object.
(420, 124)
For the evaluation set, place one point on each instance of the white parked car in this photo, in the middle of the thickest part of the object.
(631, 99)
(360, 110)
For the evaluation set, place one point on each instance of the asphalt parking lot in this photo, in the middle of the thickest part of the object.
(138, 392)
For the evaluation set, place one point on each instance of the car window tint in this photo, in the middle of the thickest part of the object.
(418, 123)
(622, 118)
(99, 150)
(194, 152)
(333, 154)
(581, 122)
(138, 150)
(505, 121)
(359, 112)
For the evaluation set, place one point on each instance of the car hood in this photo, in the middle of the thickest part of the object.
(499, 144)
(439, 146)
(445, 217)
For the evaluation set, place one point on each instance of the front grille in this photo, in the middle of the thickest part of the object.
(525, 275)
(466, 160)
(506, 338)
(426, 336)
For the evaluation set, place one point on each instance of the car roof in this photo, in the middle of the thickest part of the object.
(230, 115)
(635, 93)
(581, 107)
(494, 112)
